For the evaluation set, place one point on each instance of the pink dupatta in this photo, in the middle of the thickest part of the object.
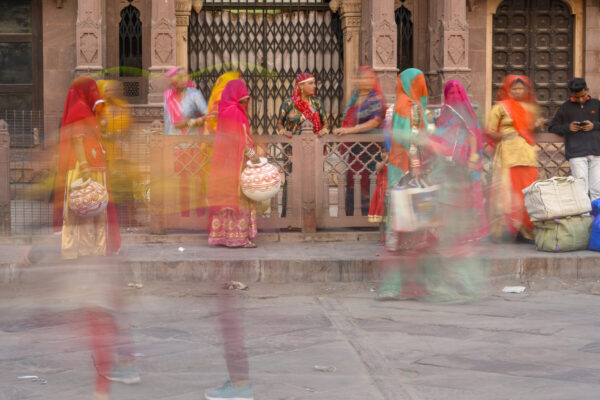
(232, 136)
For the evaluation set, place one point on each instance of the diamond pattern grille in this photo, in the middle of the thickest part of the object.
(270, 43)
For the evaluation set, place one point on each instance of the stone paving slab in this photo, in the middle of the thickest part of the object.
(501, 346)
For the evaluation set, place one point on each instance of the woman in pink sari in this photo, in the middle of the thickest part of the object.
(458, 138)
(232, 215)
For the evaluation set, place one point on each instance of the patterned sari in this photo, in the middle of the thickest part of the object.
(294, 111)
(359, 159)
(459, 141)
(232, 215)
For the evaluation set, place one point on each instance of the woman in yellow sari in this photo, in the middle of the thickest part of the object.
(115, 125)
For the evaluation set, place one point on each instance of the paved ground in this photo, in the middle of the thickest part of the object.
(543, 344)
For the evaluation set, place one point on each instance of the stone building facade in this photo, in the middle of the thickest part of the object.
(475, 41)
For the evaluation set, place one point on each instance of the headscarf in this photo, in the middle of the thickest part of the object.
(233, 134)
(523, 119)
(458, 108)
(411, 89)
(172, 102)
(82, 102)
(116, 113)
(304, 107)
(351, 113)
(215, 97)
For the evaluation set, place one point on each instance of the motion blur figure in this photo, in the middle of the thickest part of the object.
(185, 111)
(454, 271)
(232, 224)
(511, 126)
(82, 155)
(438, 264)
(116, 127)
(90, 283)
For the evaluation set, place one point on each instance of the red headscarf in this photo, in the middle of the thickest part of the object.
(524, 120)
(232, 135)
(303, 106)
(173, 105)
(79, 119)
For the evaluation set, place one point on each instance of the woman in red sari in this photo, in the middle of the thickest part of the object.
(232, 215)
(511, 125)
(81, 155)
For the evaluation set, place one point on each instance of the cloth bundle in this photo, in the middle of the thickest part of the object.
(559, 208)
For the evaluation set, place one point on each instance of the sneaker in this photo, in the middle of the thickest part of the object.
(230, 392)
(122, 374)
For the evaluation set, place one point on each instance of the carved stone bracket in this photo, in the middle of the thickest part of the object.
(162, 47)
(449, 38)
(89, 36)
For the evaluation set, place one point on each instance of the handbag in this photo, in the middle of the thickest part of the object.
(563, 234)
(556, 197)
(414, 205)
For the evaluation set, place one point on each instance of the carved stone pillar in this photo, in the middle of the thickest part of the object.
(183, 10)
(381, 42)
(162, 47)
(89, 37)
(350, 12)
(448, 37)
(308, 173)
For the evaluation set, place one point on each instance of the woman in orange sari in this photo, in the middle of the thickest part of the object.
(511, 125)
(81, 155)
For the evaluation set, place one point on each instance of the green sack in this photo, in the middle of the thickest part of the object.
(563, 234)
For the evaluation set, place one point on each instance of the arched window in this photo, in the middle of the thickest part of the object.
(130, 41)
(405, 38)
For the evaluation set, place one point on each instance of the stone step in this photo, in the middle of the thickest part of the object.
(286, 262)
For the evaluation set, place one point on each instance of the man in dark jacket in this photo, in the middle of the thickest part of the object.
(577, 121)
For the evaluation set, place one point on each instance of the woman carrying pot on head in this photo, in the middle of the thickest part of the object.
(364, 114)
(232, 215)
(511, 125)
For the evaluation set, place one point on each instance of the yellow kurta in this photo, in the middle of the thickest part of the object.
(511, 151)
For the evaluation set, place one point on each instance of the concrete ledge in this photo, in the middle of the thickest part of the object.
(287, 262)
(198, 238)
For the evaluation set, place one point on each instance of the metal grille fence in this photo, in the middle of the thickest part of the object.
(335, 176)
(270, 43)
